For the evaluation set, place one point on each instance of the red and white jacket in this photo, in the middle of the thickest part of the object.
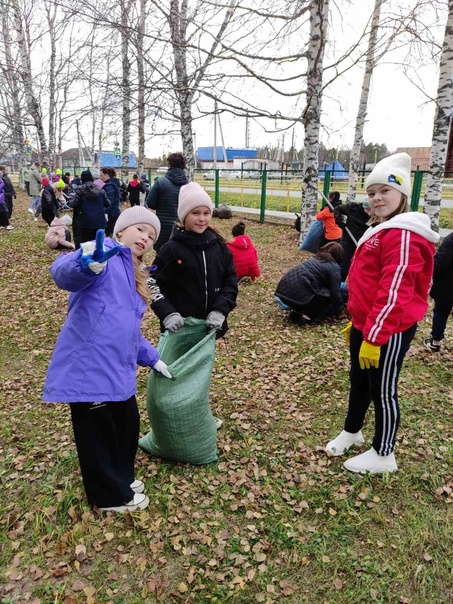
(390, 276)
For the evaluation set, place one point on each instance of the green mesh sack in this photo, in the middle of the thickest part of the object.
(182, 425)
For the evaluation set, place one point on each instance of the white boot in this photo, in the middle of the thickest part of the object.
(343, 442)
(372, 462)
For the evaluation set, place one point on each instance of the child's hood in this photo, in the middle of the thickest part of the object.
(242, 242)
(58, 222)
(134, 183)
(410, 221)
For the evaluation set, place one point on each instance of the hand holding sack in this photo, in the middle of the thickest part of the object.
(94, 257)
(162, 368)
(369, 355)
(173, 322)
(215, 320)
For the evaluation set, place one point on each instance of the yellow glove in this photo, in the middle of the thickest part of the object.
(346, 333)
(369, 355)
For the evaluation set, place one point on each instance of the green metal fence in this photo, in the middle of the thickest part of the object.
(281, 190)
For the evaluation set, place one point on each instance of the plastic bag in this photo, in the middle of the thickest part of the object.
(182, 425)
(313, 238)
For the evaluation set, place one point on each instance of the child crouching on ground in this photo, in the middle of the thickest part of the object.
(102, 333)
(245, 257)
(58, 236)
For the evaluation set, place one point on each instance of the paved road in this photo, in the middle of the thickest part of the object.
(445, 203)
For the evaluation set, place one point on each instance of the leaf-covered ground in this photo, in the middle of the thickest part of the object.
(274, 520)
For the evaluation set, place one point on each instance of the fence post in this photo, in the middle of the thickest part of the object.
(217, 191)
(263, 195)
(416, 190)
(326, 187)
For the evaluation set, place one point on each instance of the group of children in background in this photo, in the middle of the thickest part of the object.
(195, 274)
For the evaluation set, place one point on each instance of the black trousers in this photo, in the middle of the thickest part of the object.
(9, 205)
(377, 385)
(110, 225)
(106, 436)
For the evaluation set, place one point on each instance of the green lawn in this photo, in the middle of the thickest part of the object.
(274, 520)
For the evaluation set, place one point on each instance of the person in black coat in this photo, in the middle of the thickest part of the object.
(442, 293)
(90, 206)
(49, 203)
(134, 188)
(354, 216)
(10, 191)
(112, 190)
(194, 274)
(163, 196)
(309, 288)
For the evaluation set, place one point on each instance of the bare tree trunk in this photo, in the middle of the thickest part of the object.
(441, 126)
(126, 90)
(141, 88)
(51, 18)
(33, 105)
(184, 89)
(363, 104)
(319, 11)
(10, 82)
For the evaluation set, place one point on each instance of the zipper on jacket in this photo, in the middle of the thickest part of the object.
(205, 281)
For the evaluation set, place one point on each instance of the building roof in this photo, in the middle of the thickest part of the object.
(207, 153)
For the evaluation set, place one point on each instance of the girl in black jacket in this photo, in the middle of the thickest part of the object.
(442, 293)
(194, 274)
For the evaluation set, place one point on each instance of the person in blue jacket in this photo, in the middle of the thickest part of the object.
(94, 363)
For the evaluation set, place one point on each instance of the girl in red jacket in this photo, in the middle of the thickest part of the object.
(388, 286)
(245, 258)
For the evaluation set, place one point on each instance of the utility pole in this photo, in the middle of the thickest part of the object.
(247, 131)
(215, 136)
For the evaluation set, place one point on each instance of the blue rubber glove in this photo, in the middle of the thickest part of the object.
(94, 257)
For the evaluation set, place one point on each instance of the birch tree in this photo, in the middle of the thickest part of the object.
(319, 11)
(33, 103)
(363, 104)
(442, 118)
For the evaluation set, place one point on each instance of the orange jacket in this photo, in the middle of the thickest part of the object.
(331, 230)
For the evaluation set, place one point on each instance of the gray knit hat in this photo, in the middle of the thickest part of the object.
(192, 196)
(137, 215)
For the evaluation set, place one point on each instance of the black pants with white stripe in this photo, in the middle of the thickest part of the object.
(377, 385)
(106, 436)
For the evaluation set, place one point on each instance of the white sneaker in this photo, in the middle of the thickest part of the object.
(35, 219)
(343, 442)
(372, 462)
(218, 423)
(9, 227)
(31, 210)
(137, 486)
(139, 502)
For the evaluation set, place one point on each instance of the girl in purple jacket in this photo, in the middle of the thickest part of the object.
(94, 363)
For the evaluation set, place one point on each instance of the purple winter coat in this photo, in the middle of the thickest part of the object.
(2, 196)
(99, 346)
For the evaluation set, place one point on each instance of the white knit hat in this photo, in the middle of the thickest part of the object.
(136, 215)
(394, 171)
(192, 196)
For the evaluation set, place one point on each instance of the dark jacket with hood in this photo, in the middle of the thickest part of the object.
(442, 289)
(353, 216)
(312, 277)
(134, 188)
(91, 204)
(112, 190)
(10, 192)
(163, 198)
(193, 274)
